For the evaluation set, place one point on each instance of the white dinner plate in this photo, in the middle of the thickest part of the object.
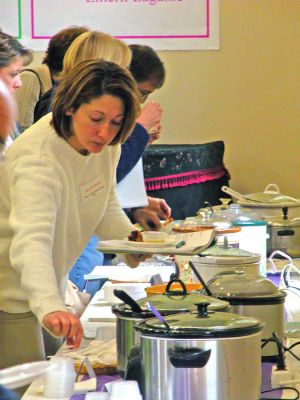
(22, 375)
(168, 243)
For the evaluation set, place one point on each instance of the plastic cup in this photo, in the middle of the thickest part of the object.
(125, 390)
(59, 382)
(97, 396)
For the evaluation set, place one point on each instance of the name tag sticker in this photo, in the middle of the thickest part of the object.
(91, 189)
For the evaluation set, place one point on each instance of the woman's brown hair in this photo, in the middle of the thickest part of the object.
(89, 80)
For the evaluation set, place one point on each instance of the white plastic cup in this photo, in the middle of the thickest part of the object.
(97, 396)
(125, 390)
(59, 382)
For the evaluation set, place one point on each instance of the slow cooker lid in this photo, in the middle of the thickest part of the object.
(241, 285)
(227, 259)
(176, 302)
(201, 323)
(169, 304)
(281, 222)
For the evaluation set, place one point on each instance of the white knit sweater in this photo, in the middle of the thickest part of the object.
(52, 200)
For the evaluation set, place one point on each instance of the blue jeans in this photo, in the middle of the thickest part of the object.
(89, 258)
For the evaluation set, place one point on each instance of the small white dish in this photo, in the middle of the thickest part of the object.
(154, 237)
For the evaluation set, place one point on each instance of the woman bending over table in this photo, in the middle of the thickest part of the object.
(57, 190)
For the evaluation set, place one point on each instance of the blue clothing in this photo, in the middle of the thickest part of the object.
(89, 258)
(6, 394)
(132, 151)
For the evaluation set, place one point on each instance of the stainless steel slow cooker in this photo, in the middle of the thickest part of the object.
(284, 234)
(171, 302)
(257, 297)
(207, 355)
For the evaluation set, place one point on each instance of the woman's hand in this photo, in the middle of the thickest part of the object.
(133, 260)
(63, 323)
(159, 206)
(154, 134)
(150, 116)
(146, 218)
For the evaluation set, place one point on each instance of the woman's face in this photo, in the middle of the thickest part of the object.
(10, 74)
(95, 124)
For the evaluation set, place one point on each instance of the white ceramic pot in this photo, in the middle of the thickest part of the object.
(210, 266)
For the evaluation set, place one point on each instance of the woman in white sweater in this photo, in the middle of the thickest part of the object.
(57, 190)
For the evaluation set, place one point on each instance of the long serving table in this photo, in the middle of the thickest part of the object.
(99, 320)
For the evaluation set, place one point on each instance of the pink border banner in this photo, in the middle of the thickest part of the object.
(205, 35)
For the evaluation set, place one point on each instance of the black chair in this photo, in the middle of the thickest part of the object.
(186, 175)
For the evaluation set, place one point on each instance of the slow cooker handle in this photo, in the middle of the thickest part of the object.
(172, 292)
(188, 358)
(120, 294)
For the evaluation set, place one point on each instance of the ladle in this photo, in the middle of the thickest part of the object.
(199, 277)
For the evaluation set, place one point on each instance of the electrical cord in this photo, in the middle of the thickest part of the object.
(280, 348)
(289, 350)
(281, 388)
(281, 363)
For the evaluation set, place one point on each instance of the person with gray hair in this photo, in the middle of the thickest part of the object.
(12, 57)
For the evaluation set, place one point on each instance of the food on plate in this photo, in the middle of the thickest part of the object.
(167, 222)
(102, 356)
(187, 228)
(135, 236)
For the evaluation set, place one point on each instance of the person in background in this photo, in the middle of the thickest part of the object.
(12, 57)
(90, 45)
(45, 222)
(149, 73)
(39, 79)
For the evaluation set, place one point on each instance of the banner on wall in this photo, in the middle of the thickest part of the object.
(161, 24)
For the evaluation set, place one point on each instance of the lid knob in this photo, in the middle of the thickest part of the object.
(202, 308)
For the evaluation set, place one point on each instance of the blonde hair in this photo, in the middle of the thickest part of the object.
(94, 45)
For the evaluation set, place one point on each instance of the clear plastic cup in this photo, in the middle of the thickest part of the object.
(59, 382)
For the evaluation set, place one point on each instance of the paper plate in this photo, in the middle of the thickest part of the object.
(22, 375)
(167, 243)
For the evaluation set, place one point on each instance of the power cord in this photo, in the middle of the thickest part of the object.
(279, 372)
(281, 388)
(280, 348)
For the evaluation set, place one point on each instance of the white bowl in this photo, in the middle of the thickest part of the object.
(154, 237)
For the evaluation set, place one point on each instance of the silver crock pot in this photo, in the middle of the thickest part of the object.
(257, 297)
(171, 302)
(207, 355)
(284, 234)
